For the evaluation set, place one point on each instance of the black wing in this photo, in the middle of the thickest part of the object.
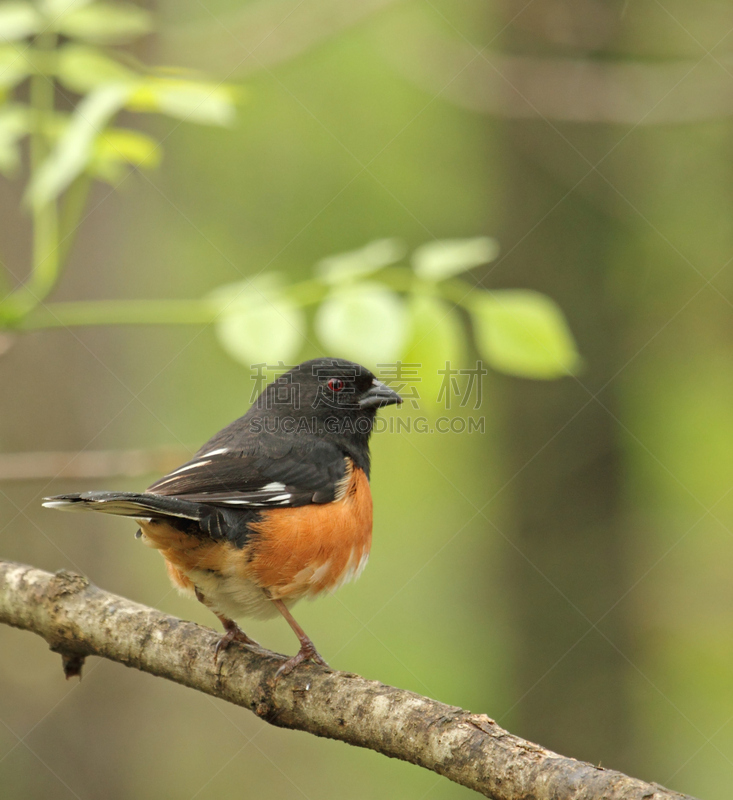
(281, 474)
(222, 491)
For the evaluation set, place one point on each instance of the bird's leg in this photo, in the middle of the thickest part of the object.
(232, 631)
(307, 650)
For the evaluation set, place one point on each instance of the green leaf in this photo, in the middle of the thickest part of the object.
(132, 147)
(257, 324)
(523, 333)
(82, 68)
(194, 101)
(436, 337)
(75, 147)
(106, 23)
(366, 322)
(18, 21)
(436, 261)
(116, 148)
(14, 66)
(345, 267)
(14, 125)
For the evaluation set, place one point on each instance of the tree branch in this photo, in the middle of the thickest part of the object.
(78, 619)
(91, 464)
(564, 89)
(261, 35)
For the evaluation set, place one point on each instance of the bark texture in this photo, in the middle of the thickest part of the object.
(78, 619)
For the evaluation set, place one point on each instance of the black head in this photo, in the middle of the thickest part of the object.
(326, 387)
(327, 398)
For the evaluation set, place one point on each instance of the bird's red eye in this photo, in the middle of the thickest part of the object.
(336, 384)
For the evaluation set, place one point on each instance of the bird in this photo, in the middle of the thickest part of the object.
(275, 507)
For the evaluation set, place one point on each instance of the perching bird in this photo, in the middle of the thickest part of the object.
(275, 507)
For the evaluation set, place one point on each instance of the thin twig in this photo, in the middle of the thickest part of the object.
(261, 35)
(91, 464)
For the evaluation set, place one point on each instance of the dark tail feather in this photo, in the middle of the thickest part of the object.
(126, 504)
(218, 523)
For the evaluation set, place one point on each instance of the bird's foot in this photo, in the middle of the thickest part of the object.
(235, 634)
(307, 652)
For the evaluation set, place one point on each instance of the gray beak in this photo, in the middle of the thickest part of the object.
(379, 395)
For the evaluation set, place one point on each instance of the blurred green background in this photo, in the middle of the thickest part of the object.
(568, 571)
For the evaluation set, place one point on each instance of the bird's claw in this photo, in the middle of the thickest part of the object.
(306, 653)
(235, 634)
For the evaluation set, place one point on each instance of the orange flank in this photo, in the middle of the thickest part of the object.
(306, 550)
(182, 552)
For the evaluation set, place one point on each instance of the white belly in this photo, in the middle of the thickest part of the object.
(232, 596)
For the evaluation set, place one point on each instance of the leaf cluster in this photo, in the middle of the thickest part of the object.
(380, 305)
(70, 50)
(375, 305)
